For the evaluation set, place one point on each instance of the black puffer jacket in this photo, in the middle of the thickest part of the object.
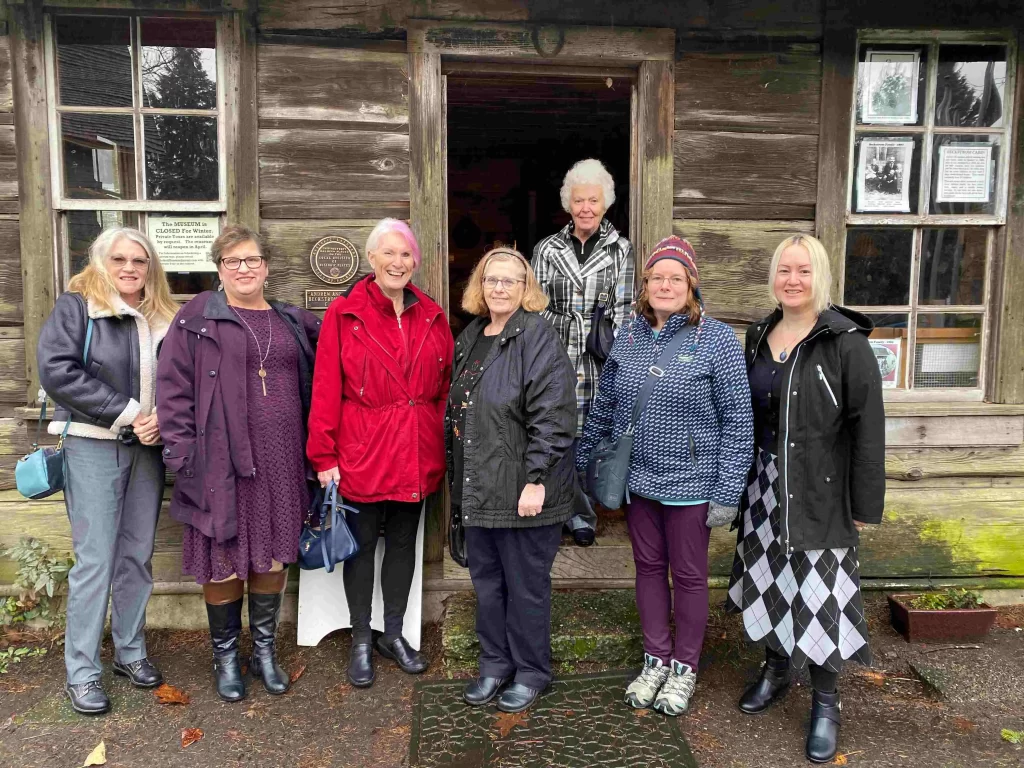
(520, 422)
(831, 431)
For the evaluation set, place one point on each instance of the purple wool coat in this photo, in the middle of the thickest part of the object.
(201, 404)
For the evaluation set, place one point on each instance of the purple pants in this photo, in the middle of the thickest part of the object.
(665, 538)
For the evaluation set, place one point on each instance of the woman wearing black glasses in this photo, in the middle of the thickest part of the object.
(234, 385)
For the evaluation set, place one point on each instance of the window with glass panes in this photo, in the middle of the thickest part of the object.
(136, 136)
(926, 200)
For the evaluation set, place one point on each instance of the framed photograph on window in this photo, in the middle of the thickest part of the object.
(883, 174)
(890, 93)
(887, 354)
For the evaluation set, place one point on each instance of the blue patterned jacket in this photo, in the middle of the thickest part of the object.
(695, 438)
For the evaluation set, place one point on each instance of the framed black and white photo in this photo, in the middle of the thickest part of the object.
(889, 93)
(883, 174)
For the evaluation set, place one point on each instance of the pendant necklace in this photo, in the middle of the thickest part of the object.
(784, 354)
(263, 357)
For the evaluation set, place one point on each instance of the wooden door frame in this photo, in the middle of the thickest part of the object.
(649, 52)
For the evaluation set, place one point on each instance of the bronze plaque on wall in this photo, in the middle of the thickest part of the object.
(334, 260)
(321, 298)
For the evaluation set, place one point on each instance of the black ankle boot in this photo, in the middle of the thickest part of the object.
(823, 736)
(225, 628)
(770, 687)
(263, 613)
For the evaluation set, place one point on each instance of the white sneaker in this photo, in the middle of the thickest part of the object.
(674, 697)
(641, 692)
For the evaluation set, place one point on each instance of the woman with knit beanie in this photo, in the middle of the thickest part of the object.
(692, 446)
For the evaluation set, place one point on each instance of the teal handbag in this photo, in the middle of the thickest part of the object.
(41, 473)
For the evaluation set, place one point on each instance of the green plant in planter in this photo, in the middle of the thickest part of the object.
(40, 578)
(948, 599)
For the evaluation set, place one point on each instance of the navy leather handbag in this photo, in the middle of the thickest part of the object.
(322, 545)
(41, 473)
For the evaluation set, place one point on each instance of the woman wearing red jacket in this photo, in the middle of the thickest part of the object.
(376, 429)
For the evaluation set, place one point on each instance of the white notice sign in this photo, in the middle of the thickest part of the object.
(183, 242)
(965, 173)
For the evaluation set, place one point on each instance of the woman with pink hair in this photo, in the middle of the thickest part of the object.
(376, 428)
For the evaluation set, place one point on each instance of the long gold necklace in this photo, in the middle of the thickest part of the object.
(263, 357)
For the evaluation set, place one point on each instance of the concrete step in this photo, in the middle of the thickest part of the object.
(586, 626)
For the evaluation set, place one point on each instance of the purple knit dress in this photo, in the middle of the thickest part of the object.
(272, 504)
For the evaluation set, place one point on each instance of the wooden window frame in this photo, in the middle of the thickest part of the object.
(844, 74)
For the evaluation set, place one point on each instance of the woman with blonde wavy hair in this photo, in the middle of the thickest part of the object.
(509, 430)
(97, 361)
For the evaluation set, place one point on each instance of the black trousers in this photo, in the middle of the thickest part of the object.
(511, 572)
(400, 519)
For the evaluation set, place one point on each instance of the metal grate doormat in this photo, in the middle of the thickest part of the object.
(580, 722)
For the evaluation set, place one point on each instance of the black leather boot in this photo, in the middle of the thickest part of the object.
(263, 613)
(823, 736)
(770, 687)
(360, 665)
(225, 628)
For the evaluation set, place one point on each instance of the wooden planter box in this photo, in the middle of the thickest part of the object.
(921, 626)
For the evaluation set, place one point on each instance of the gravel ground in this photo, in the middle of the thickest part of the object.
(891, 718)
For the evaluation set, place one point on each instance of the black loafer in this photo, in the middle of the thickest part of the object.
(583, 537)
(360, 666)
(398, 650)
(517, 697)
(88, 698)
(141, 673)
(482, 690)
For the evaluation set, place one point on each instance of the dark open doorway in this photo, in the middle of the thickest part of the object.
(511, 139)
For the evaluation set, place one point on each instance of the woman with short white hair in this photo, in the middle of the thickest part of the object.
(97, 361)
(818, 480)
(586, 271)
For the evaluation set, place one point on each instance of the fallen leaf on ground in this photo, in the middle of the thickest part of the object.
(190, 736)
(168, 694)
(506, 721)
(297, 673)
(97, 757)
(840, 759)
(234, 735)
(963, 724)
(873, 676)
(641, 712)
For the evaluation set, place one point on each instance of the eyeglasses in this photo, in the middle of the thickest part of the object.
(232, 263)
(121, 262)
(676, 281)
(508, 283)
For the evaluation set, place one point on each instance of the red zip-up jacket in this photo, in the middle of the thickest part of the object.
(379, 392)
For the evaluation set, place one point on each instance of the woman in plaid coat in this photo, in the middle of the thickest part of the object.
(577, 266)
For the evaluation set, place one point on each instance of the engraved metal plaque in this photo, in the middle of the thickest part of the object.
(321, 298)
(334, 260)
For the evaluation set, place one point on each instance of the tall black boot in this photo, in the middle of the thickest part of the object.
(823, 736)
(770, 687)
(263, 614)
(225, 628)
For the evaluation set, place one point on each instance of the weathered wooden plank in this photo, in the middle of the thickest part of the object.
(926, 463)
(915, 431)
(745, 168)
(778, 92)
(1009, 347)
(6, 95)
(290, 243)
(555, 43)
(36, 220)
(299, 83)
(733, 257)
(321, 165)
(8, 163)
(346, 209)
(14, 437)
(840, 47)
(372, 16)
(694, 209)
(12, 370)
(238, 39)
(655, 109)
(948, 408)
(11, 299)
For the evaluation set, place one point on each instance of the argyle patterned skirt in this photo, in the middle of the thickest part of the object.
(806, 605)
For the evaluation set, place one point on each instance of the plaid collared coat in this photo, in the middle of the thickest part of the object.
(573, 292)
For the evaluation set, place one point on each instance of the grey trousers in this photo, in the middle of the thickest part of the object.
(112, 493)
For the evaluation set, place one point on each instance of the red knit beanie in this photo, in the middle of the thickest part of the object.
(676, 248)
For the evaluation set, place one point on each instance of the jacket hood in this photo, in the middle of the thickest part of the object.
(836, 319)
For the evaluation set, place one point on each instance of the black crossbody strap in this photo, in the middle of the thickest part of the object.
(655, 372)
